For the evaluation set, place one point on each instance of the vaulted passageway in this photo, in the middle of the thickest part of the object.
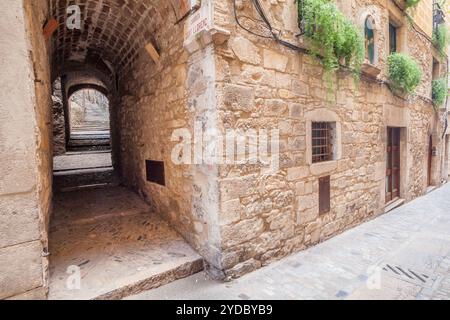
(116, 242)
(107, 103)
(139, 55)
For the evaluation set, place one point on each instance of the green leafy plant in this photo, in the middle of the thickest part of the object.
(439, 91)
(404, 72)
(331, 35)
(440, 38)
(411, 3)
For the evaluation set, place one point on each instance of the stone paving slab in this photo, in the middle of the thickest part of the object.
(353, 265)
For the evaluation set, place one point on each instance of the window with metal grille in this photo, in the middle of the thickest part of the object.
(322, 144)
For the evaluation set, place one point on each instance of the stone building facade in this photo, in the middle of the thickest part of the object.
(288, 91)
(211, 75)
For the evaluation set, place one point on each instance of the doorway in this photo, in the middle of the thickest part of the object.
(430, 161)
(393, 164)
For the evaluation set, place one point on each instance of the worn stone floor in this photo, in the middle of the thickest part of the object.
(117, 246)
(404, 254)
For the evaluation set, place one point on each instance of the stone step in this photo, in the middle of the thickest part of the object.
(115, 243)
(69, 180)
(89, 148)
(153, 281)
(94, 143)
(89, 142)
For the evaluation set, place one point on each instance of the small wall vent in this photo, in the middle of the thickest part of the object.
(155, 172)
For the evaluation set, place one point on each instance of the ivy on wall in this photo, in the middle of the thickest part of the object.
(404, 72)
(439, 91)
(411, 3)
(332, 36)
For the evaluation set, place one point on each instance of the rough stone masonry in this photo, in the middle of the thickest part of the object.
(211, 71)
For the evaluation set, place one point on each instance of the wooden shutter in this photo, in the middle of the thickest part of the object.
(324, 195)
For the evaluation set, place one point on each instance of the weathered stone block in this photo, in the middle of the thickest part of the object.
(307, 210)
(241, 232)
(280, 219)
(239, 98)
(19, 219)
(296, 111)
(243, 268)
(245, 50)
(233, 188)
(230, 212)
(20, 269)
(275, 60)
(297, 173)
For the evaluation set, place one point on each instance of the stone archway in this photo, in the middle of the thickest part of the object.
(148, 98)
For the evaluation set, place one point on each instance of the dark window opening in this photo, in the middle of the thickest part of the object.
(155, 172)
(430, 161)
(322, 148)
(436, 69)
(369, 40)
(324, 195)
(393, 35)
(438, 14)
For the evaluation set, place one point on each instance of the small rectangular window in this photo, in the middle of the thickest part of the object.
(322, 141)
(392, 38)
(155, 172)
(324, 195)
(436, 69)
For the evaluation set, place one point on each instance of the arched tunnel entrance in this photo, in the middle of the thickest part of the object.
(100, 228)
(105, 228)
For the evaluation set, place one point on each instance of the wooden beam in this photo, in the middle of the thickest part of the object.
(49, 28)
(153, 53)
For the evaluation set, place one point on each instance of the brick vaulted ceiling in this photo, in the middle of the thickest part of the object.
(111, 30)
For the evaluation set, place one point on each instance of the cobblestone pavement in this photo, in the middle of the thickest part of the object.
(404, 254)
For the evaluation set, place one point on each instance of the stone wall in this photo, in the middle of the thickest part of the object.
(59, 124)
(265, 216)
(154, 103)
(26, 153)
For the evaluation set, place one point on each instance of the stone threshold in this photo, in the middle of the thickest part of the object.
(154, 281)
(393, 204)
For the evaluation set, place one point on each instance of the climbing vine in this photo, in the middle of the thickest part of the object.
(439, 91)
(404, 72)
(411, 3)
(331, 35)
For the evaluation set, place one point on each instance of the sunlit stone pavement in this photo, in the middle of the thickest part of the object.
(404, 254)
